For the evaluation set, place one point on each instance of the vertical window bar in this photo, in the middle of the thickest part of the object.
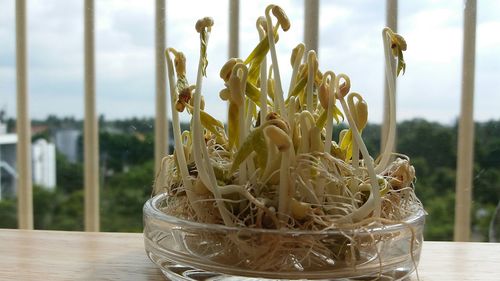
(465, 153)
(161, 124)
(234, 27)
(24, 183)
(391, 21)
(91, 141)
(311, 21)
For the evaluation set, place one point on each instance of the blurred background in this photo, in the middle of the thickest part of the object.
(428, 97)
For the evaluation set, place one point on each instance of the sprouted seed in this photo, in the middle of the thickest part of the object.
(276, 165)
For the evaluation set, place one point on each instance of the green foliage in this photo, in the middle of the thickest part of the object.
(127, 173)
(481, 218)
(134, 125)
(57, 210)
(8, 213)
(123, 196)
(440, 219)
(69, 176)
(119, 150)
(433, 142)
(486, 185)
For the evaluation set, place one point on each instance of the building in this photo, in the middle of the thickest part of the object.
(67, 143)
(43, 163)
(8, 162)
(43, 155)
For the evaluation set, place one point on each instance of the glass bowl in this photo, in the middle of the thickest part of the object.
(187, 250)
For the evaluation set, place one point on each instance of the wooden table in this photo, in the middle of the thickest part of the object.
(60, 255)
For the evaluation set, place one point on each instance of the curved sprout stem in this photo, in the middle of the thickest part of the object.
(284, 196)
(311, 71)
(390, 73)
(263, 73)
(238, 69)
(291, 122)
(272, 153)
(176, 124)
(278, 90)
(296, 64)
(306, 121)
(355, 146)
(200, 153)
(329, 115)
(292, 107)
(329, 123)
(373, 203)
(179, 151)
(249, 162)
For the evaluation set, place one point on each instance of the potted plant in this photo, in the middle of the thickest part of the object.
(273, 194)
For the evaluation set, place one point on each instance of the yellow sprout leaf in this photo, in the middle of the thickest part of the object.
(260, 51)
(321, 121)
(210, 123)
(254, 73)
(254, 142)
(337, 115)
(253, 93)
(299, 87)
(398, 45)
(270, 88)
(233, 128)
(346, 144)
(257, 56)
(401, 63)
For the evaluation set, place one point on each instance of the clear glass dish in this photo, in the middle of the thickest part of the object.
(187, 250)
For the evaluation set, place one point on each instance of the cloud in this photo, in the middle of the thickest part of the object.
(431, 87)
(350, 42)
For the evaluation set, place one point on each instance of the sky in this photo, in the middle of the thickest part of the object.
(350, 42)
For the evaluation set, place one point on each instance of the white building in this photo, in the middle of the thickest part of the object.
(8, 172)
(43, 163)
(67, 143)
(43, 155)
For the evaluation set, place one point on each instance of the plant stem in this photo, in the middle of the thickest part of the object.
(310, 79)
(329, 114)
(306, 121)
(284, 196)
(278, 90)
(263, 82)
(374, 200)
(295, 68)
(202, 159)
(391, 83)
(179, 151)
(355, 146)
(242, 118)
(249, 162)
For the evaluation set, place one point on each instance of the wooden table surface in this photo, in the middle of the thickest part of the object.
(60, 255)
